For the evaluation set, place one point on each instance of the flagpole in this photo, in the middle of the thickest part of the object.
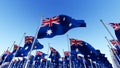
(35, 37)
(98, 65)
(114, 55)
(108, 41)
(12, 46)
(91, 63)
(107, 29)
(9, 50)
(47, 55)
(69, 49)
(33, 61)
(63, 59)
(5, 57)
(84, 62)
(112, 50)
(95, 64)
(63, 52)
(68, 42)
(17, 49)
(7, 54)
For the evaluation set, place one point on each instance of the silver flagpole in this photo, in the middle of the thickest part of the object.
(12, 46)
(83, 59)
(95, 64)
(33, 43)
(9, 50)
(64, 57)
(84, 62)
(98, 65)
(116, 63)
(17, 50)
(47, 55)
(33, 61)
(4, 53)
(112, 51)
(91, 62)
(5, 57)
(109, 31)
(69, 49)
(63, 52)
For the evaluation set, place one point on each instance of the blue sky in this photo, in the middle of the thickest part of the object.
(19, 16)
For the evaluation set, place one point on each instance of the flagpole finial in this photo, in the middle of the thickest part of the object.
(25, 33)
(14, 42)
(101, 20)
(105, 36)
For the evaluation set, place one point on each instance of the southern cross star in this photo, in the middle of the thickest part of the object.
(70, 24)
(49, 32)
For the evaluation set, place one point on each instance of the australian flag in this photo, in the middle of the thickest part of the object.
(116, 27)
(4, 57)
(58, 25)
(75, 45)
(80, 46)
(19, 51)
(29, 41)
(116, 44)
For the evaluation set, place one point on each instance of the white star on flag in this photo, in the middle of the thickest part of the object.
(70, 24)
(38, 57)
(91, 52)
(22, 54)
(77, 50)
(26, 48)
(35, 46)
(49, 32)
(64, 19)
(86, 44)
(88, 55)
